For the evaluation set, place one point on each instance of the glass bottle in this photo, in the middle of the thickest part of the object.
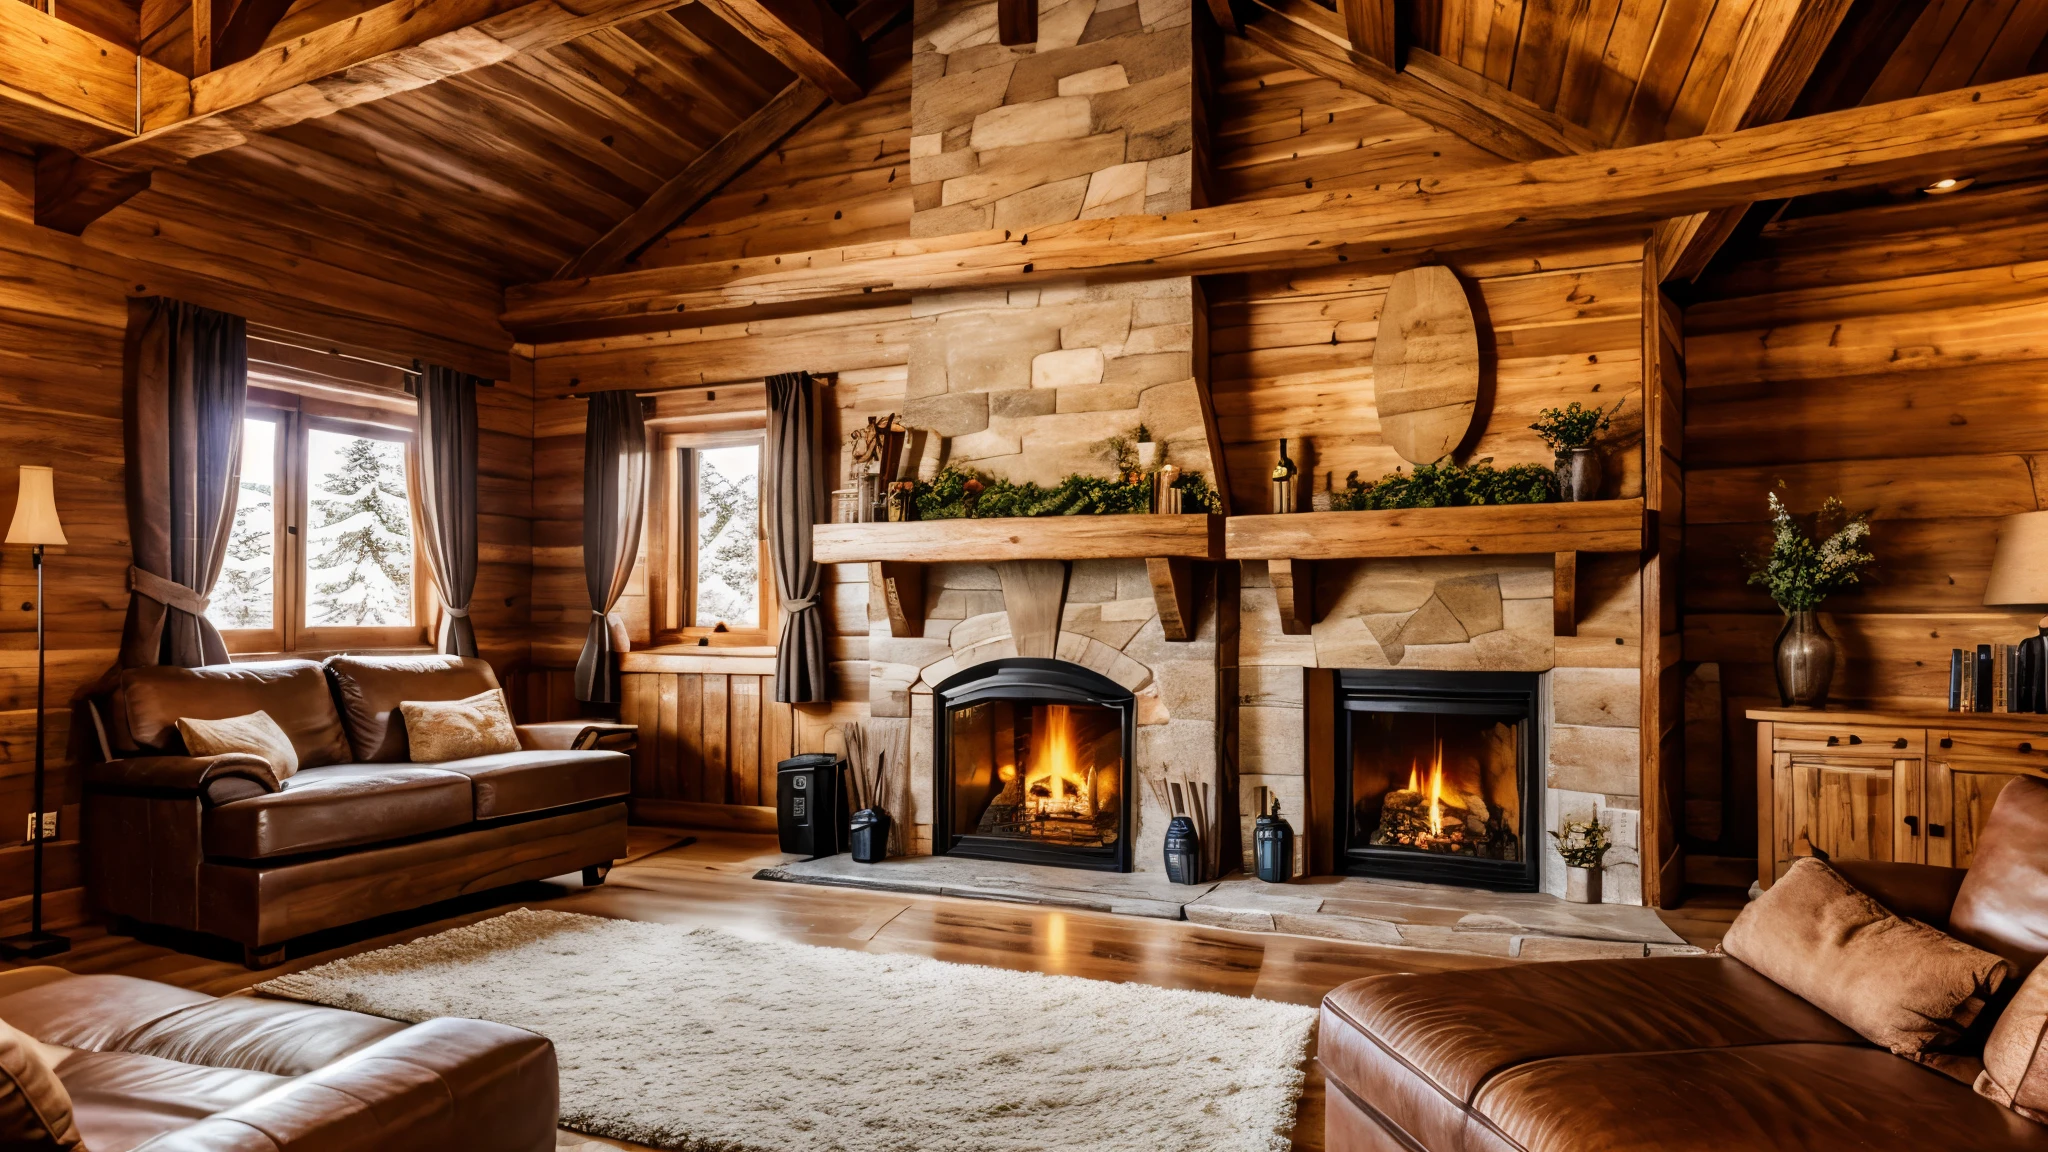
(1283, 482)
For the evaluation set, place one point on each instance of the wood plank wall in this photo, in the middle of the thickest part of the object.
(62, 314)
(1892, 356)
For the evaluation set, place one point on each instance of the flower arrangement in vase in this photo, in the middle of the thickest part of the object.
(1571, 431)
(1584, 845)
(1811, 558)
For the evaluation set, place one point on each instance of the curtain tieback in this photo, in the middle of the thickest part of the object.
(805, 604)
(168, 593)
(453, 612)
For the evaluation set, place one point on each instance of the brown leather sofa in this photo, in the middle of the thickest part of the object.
(160, 1068)
(1683, 1053)
(216, 844)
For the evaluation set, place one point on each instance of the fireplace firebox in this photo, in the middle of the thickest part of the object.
(1439, 777)
(1031, 762)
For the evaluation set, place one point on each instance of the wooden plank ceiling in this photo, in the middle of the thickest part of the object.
(512, 170)
(556, 159)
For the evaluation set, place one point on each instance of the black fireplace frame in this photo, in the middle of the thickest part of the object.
(1484, 693)
(1035, 679)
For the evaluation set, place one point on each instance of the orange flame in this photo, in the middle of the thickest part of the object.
(1055, 759)
(1436, 792)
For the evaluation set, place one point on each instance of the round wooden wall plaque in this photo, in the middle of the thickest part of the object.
(1425, 364)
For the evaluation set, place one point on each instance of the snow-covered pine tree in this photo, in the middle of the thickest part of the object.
(242, 598)
(362, 536)
(728, 548)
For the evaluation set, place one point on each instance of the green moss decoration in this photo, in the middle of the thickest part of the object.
(944, 496)
(1449, 485)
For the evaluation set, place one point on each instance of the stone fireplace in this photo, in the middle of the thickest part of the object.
(1032, 763)
(1437, 777)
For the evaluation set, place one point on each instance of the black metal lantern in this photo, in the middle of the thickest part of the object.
(1273, 846)
(1183, 851)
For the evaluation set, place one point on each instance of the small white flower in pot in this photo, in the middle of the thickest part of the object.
(1583, 844)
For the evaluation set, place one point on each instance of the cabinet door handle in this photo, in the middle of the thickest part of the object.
(1937, 829)
(1834, 740)
(1899, 743)
(1913, 822)
(1948, 742)
(1855, 739)
(2026, 747)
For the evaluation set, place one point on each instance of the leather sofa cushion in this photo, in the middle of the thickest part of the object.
(1456, 1029)
(370, 688)
(2002, 906)
(1765, 1098)
(124, 1014)
(2016, 1052)
(516, 783)
(149, 702)
(339, 807)
(124, 1100)
(35, 1110)
(1902, 985)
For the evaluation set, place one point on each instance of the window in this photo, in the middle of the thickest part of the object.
(715, 585)
(320, 555)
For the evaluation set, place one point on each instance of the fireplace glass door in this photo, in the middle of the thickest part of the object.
(1437, 777)
(1032, 764)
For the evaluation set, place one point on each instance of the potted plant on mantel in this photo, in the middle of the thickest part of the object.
(1584, 845)
(1811, 557)
(1570, 431)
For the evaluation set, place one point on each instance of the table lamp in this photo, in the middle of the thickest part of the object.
(36, 524)
(2019, 578)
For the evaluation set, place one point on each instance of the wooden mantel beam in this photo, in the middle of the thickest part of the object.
(1386, 224)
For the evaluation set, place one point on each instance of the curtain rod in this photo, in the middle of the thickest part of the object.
(828, 379)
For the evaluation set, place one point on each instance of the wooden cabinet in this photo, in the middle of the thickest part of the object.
(1905, 787)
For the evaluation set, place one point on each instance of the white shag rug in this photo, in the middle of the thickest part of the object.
(701, 1040)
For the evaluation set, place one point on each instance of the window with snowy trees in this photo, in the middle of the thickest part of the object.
(705, 512)
(322, 537)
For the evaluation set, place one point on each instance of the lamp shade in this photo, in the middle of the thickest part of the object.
(2019, 569)
(35, 509)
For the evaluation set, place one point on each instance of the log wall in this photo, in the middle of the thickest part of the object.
(1891, 356)
(62, 315)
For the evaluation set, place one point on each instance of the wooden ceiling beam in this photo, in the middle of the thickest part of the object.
(65, 87)
(814, 41)
(1385, 225)
(753, 138)
(1780, 46)
(395, 47)
(240, 28)
(72, 191)
(1433, 90)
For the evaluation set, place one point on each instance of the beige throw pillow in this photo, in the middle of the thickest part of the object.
(441, 730)
(2016, 1054)
(35, 1110)
(256, 734)
(1897, 982)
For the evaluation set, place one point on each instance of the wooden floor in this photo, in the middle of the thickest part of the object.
(710, 882)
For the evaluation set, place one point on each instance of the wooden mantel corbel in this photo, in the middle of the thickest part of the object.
(1294, 588)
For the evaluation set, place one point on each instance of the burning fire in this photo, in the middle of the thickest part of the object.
(1055, 767)
(1436, 789)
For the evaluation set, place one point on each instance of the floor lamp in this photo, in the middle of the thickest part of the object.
(35, 523)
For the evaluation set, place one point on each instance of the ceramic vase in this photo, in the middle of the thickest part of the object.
(1805, 661)
(1582, 885)
(1578, 475)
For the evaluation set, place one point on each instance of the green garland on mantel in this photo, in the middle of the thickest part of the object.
(1449, 485)
(944, 496)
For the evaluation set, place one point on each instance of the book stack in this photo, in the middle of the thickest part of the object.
(1998, 678)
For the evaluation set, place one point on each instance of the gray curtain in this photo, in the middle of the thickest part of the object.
(614, 503)
(186, 379)
(446, 451)
(793, 496)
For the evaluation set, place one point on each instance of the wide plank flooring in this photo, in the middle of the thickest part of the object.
(709, 881)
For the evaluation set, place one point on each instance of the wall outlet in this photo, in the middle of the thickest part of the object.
(49, 827)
